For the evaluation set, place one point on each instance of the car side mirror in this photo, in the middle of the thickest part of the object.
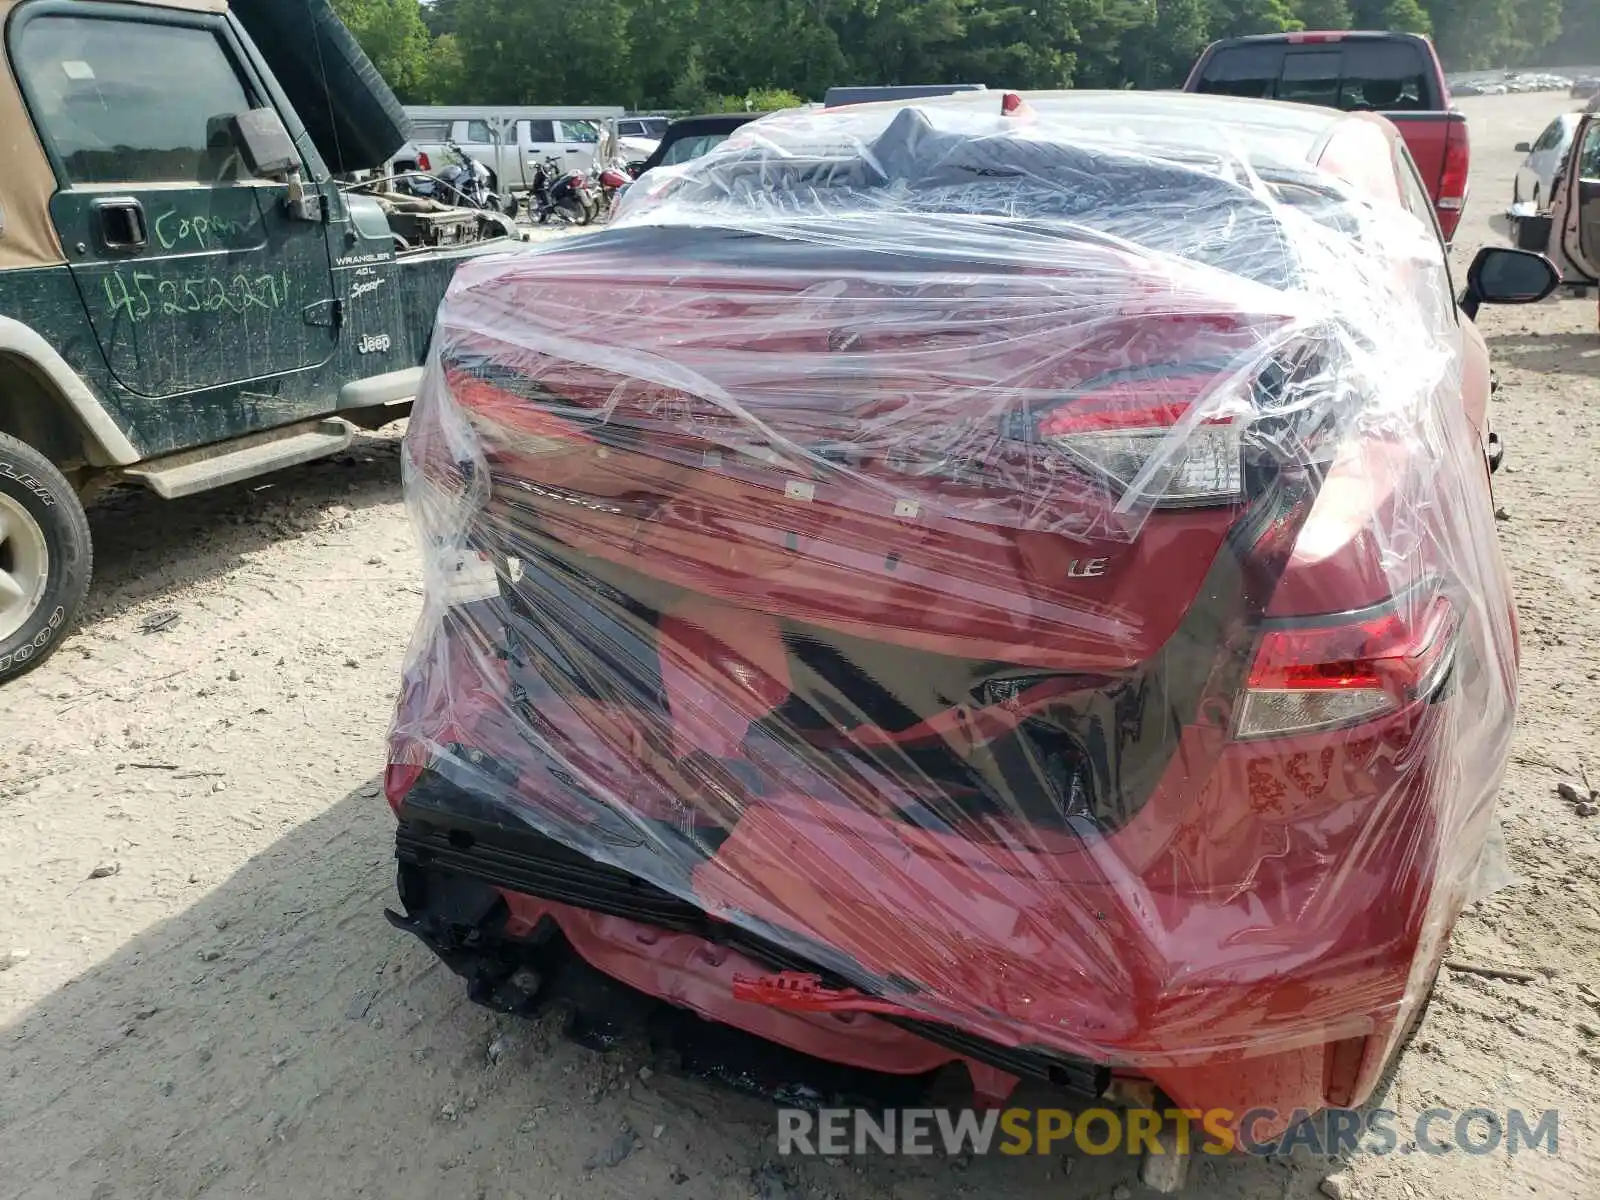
(1524, 148)
(268, 149)
(1501, 275)
(270, 153)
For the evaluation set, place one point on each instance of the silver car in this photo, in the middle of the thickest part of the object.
(1537, 175)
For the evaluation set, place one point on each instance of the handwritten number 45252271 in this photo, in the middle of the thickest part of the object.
(133, 296)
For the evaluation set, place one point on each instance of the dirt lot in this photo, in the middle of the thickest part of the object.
(224, 1012)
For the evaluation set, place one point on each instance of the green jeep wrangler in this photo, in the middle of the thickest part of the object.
(191, 290)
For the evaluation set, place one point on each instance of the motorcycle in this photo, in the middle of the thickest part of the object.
(466, 183)
(613, 179)
(419, 181)
(565, 195)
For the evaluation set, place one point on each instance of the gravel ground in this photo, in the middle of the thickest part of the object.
(222, 1012)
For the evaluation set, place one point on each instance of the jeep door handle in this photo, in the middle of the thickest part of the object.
(122, 224)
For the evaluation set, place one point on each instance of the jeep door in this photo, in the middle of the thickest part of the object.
(198, 282)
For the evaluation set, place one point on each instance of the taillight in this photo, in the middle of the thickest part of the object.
(1336, 672)
(1453, 182)
(1180, 439)
(1137, 450)
(424, 163)
(511, 421)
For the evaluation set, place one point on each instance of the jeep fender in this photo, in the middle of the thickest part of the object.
(105, 444)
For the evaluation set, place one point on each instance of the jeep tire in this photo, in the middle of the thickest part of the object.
(45, 557)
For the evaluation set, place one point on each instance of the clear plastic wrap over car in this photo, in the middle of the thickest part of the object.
(1026, 573)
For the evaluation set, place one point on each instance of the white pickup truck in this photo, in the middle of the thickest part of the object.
(511, 142)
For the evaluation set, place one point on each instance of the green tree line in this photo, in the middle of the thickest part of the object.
(700, 54)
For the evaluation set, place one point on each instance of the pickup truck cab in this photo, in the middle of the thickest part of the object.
(1395, 74)
(188, 294)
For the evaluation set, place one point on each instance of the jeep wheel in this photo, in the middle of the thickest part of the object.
(45, 557)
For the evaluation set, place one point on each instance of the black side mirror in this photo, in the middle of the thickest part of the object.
(267, 148)
(270, 153)
(1524, 148)
(1501, 275)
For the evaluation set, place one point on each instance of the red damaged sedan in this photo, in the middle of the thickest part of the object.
(993, 581)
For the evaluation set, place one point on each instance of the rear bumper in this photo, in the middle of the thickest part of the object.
(673, 950)
(1303, 1019)
(697, 974)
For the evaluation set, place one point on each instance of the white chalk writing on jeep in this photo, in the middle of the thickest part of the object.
(173, 229)
(129, 295)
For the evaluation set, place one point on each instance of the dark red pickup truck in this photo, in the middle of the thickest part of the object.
(1396, 74)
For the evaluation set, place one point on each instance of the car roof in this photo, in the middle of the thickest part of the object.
(1313, 37)
(1271, 131)
(711, 122)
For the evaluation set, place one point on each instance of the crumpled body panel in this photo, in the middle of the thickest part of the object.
(1028, 577)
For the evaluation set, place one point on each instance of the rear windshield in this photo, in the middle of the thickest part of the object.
(1355, 76)
(691, 147)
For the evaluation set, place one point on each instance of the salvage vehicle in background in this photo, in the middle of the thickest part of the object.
(1014, 589)
(188, 297)
(510, 141)
(687, 138)
(1574, 226)
(638, 137)
(1396, 74)
(1536, 176)
(838, 97)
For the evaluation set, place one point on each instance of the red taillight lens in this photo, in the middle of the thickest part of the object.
(1453, 181)
(508, 421)
(1326, 675)
(424, 163)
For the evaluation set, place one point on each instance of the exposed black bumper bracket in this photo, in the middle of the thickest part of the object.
(451, 866)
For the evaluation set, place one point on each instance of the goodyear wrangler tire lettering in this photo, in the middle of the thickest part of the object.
(45, 554)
